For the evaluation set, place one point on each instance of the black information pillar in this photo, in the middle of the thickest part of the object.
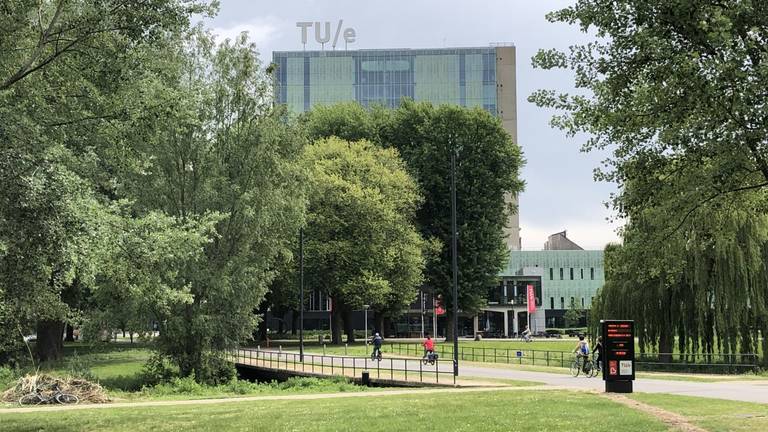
(618, 355)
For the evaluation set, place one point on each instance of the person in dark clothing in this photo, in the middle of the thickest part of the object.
(377, 341)
(598, 351)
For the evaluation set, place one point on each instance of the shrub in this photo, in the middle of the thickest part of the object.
(156, 370)
(80, 367)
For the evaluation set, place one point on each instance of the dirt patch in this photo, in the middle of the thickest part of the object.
(675, 421)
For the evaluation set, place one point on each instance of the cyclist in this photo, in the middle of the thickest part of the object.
(377, 340)
(582, 352)
(599, 352)
(429, 346)
(527, 334)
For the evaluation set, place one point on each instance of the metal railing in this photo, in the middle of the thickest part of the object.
(702, 363)
(392, 368)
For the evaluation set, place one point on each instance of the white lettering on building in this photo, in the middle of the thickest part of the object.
(323, 32)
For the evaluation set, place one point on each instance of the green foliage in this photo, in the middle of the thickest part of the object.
(572, 315)
(362, 246)
(8, 377)
(157, 370)
(488, 166)
(189, 387)
(676, 91)
(80, 367)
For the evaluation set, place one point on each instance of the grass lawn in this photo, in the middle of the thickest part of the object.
(712, 414)
(487, 411)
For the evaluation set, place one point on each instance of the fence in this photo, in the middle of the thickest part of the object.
(702, 363)
(393, 368)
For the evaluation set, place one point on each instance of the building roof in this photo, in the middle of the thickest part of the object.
(559, 241)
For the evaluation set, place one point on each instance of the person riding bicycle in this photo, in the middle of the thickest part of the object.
(582, 352)
(429, 346)
(377, 340)
(598, 351)
(526, 334)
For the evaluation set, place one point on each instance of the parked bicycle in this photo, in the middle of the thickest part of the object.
(56, 396)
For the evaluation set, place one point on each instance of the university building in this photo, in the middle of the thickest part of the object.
(482, 77)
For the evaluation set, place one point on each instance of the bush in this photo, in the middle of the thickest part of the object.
(157, 370)
(79, 367)
(8, 377)
(216, 370)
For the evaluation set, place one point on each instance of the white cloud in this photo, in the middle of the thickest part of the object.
(589, 235)
(261, 31)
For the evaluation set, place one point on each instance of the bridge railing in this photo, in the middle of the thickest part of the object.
(701, 363)
(392, 368)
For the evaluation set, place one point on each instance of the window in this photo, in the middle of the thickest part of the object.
(582, 273)
(571, 273)
(551, 273)
(592, 273)
(551, 302)
(582, 302)
(562, 303)
(561, 273)
(573, 302)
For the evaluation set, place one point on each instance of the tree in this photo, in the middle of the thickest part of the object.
(62, 81)
(220, 151)
(676, 91)
(573, 314)
(488, 166)
(679, 85)
(361, 244)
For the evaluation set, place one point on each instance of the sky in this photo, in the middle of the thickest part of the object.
(560, 192)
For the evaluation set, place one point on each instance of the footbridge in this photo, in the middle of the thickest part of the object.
(390, 371)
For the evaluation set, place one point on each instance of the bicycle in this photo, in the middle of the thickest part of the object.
(376, 355)
(526, 338)
(585, 366)
(57, 396)
(429, 357)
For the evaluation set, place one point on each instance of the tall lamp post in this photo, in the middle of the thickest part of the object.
(455, 266)
(301, 295)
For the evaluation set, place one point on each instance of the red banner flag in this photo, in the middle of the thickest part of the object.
(531, 299)
(439, 307)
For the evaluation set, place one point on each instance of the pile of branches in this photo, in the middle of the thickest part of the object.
(47, 385)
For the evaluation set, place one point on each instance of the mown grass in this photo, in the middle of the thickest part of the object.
(713, 415)
(487, 411)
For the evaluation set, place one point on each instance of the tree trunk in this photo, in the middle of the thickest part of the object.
(349, 327)
(336, 325)
(70, 333)
(50, 344)
(448, 326)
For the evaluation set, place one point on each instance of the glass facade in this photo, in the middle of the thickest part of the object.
(460, 76)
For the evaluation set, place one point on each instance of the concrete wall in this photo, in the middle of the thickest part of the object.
(506, 103)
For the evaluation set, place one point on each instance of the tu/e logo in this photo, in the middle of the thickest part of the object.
(323, 32)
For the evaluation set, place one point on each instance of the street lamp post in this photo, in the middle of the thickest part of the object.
(365, 307)
(454, 248)
(301, 295)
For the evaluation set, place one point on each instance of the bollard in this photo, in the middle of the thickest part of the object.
(280, 348)
(258, 347)
(323, 349)
(345, 349)
(366, 379)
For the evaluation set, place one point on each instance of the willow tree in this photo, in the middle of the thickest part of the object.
(676, 91)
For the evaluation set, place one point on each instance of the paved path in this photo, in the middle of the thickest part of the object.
(747, 391)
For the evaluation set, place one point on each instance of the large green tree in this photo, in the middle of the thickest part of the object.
(64, 80)
(219, 150)
(362, 246)
(488, 167)
(676, 91)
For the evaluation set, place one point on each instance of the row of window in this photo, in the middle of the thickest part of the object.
(564, 306)
(552, 273)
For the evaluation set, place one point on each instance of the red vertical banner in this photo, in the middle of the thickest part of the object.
(531, 299)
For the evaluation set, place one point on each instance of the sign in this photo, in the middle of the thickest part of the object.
(323, 32)
(519, 353)
(531, 299)
(618, 350)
